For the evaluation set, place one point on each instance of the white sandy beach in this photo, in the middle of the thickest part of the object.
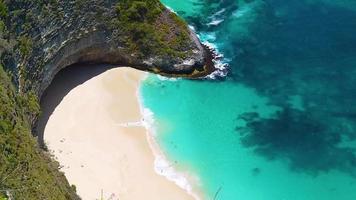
(96, 135)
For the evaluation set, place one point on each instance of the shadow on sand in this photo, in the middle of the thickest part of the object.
(66, 79)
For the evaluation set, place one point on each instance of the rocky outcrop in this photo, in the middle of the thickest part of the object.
(80, 31)
(96, 47)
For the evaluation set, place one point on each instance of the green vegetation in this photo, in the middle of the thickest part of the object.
(3, 9)
(25, 45)
(147, 25)
(25, 171)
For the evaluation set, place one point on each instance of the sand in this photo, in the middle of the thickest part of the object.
(97, 136)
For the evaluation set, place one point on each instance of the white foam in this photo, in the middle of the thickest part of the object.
(217, 14)
(208, 37)
(210, 45)
(161, 165)
(131, 124)
(220, 12)
(164, 168)
(148, 120)
(171, 9)
(217, 74)
(191, 28)
(221, 71)
(215, 22)
(220, 63)
(163, 78)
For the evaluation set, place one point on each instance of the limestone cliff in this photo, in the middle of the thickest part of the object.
(56, 34)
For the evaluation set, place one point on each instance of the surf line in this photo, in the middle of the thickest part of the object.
(133, 124)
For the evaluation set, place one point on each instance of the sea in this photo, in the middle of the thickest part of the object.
(278, 120)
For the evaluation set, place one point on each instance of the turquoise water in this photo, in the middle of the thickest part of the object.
(282, 124)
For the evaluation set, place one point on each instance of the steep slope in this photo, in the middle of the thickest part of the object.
(26, 172)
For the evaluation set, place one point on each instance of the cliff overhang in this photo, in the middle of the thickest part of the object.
(135, 33)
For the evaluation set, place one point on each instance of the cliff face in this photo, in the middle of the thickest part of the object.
(55, 35)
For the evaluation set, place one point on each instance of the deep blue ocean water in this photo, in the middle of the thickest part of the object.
(282, 124)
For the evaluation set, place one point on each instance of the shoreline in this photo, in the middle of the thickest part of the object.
(104, 127)
(162, 165)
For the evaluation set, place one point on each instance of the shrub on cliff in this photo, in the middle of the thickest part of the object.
(3, 9)
(25, 171)
(147, 25)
